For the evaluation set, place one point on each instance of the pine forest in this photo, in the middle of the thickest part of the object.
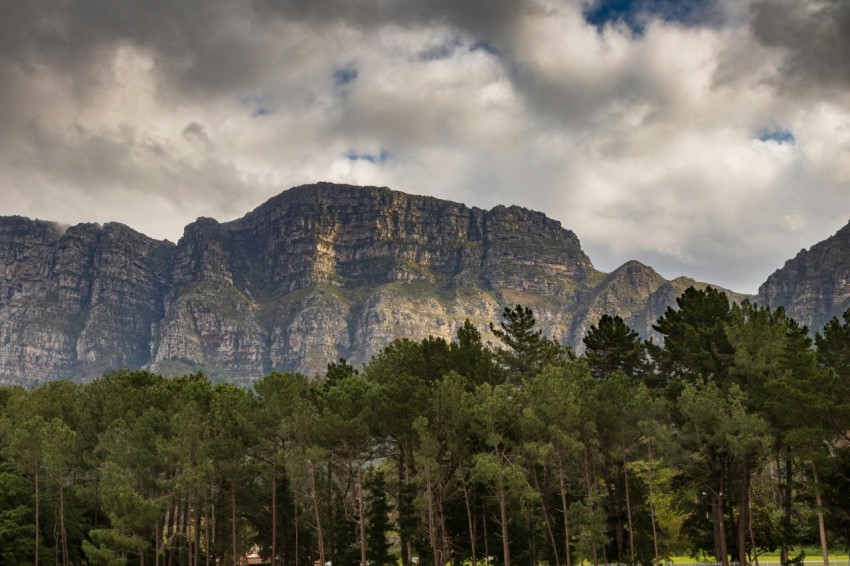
(727, 439)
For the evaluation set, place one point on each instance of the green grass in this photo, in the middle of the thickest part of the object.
(812, 555)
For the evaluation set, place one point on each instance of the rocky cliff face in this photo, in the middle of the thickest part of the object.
(815, 285)
(325, 271)
(316, 273)
(75, 302)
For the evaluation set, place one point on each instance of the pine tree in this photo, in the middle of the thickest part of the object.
(613, 346)
(527, 350)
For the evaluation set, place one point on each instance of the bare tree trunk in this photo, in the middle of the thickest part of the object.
(56, 535)
(157, 535)
(314, 493)
(593, 506)
(565, 510)
(629, 510)
(652, 501)
(274, 515)
(181, 529)
(362, 512)
(742, 516)
(821, 523)
(751, 527)
(65, 560)
(546, 520)
(432, 523)
(207, 535)
(196, 539)
(786, 503)
(233, 540)
(37, 465)
(402, 487)
(469, 520)
(170, 532)
(445, 551)
(503, 510)
(486, 545)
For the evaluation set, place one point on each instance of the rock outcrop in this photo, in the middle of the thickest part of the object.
(814, 286)
(316, 273)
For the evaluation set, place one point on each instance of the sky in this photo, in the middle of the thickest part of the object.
(706, 138)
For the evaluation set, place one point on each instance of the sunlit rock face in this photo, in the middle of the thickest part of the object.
(319, 272)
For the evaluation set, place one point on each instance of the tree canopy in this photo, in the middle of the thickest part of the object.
(726, 439)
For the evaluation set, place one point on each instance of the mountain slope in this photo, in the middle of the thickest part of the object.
(318, 272)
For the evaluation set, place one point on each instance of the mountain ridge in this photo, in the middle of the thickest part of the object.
(315, 273)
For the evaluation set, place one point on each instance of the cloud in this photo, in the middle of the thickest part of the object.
(707, 138)
(813, 37)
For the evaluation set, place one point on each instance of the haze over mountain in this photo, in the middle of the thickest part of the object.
(319, 272)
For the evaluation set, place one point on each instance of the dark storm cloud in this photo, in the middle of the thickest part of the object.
(202, 48)
(483, 19)
(814, 36)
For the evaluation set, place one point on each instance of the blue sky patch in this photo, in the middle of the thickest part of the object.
(259, 106)
(345, 76)
(485, 46)
(777, 135)
(377, 159)
(440, 51)
(635, 13)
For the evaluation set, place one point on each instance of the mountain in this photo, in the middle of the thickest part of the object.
(814, 286)
(316, 273)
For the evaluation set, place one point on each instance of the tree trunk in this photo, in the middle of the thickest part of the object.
(546, 521)
(207, 537)
(719, 524)
(789, 476)
(196, 538)
(362, 511)
(432, 522)
(629, 510)
(402, 485)
(821, 524)
(503, 510)
(651, 500)
(170, 517)
(564, 508)
(62, 532)
(157, 535)
(274, 515)
(469, 520)
(592, 507)
(233, 539)
(486, 545)
(615, 496)
(315, 496)
(445, 551)
(37, 465)
(295, 526)
(751, 527)
(742, 515)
